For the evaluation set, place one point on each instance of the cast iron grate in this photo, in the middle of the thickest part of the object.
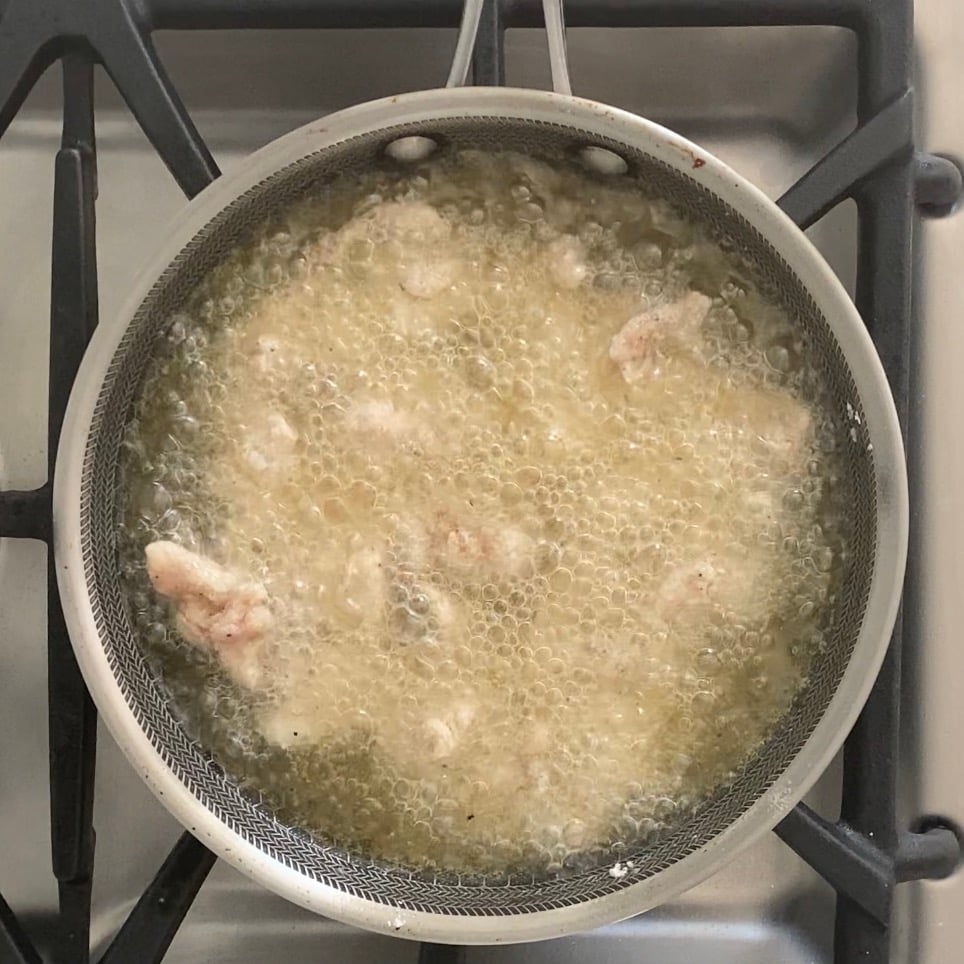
(865, 854)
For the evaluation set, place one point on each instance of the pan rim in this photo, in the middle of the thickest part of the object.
(891, 546)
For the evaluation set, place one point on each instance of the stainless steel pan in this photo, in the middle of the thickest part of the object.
(134, 704)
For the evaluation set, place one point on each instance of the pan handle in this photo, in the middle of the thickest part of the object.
(553, 12)
(465, 45)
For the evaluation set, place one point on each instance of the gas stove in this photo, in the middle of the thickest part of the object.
(846, 90)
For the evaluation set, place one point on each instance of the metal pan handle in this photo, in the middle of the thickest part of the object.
(554, 15)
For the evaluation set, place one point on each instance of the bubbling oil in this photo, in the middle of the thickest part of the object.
(527, 613)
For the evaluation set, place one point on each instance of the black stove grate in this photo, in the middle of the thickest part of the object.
(866, 853)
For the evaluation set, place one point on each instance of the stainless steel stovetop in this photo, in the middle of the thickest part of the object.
(770, 101)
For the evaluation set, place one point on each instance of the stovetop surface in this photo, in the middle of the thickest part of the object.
(769, 101)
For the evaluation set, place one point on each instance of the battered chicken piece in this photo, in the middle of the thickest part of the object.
(442, 733)
(762, 503)
(786, 425)
(772, 419)
(637, 346)
(567, 262)
(423, 613)
(303, 708)
(268, 354)
(417, 231)
(420, 230)
(271, 445)
(447, 612)
(362, 592)
(688, 586)
(410, 220)
(499, 551)
(728, 579)
(382, 427)
(542, 178)
(215, 608)
(528, 770)
(428, 278)
(468, 548)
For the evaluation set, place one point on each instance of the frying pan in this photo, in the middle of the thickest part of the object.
(133, 702)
